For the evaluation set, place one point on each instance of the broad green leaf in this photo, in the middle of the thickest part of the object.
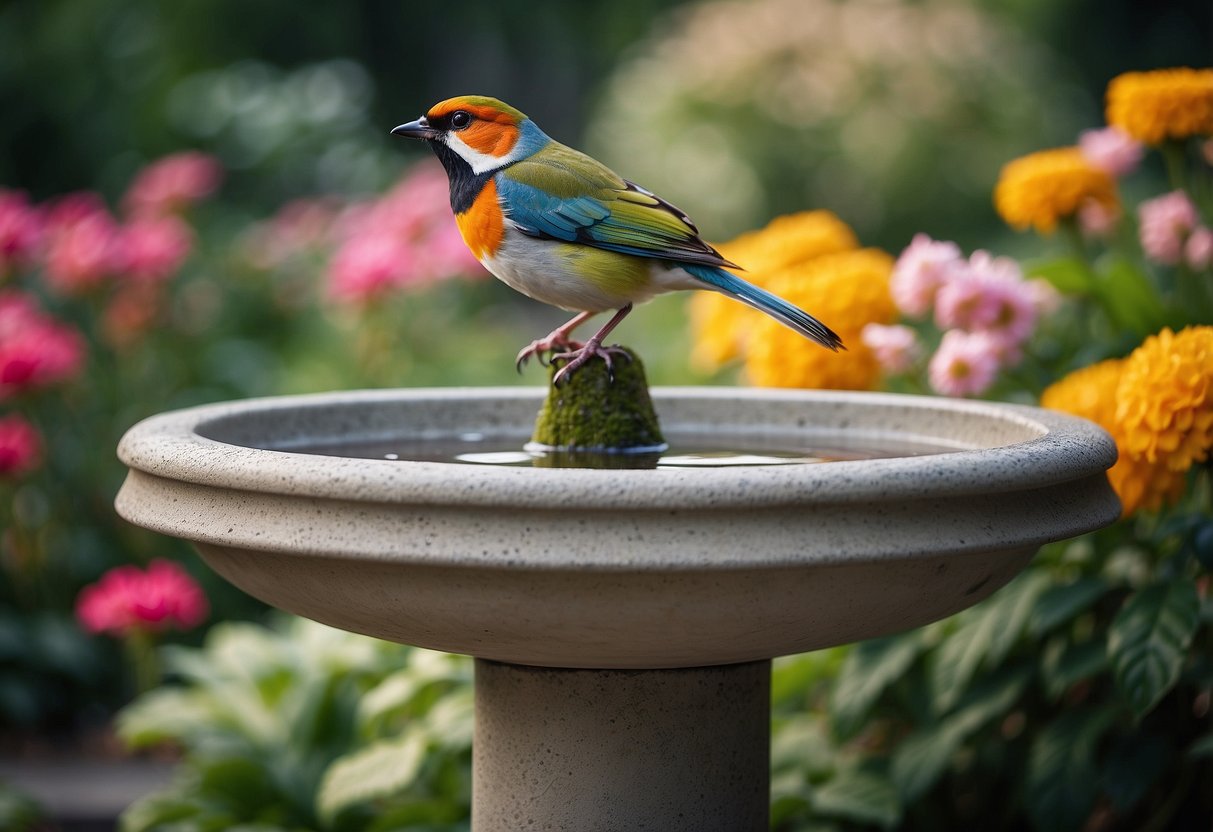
(859, 796)
(377, 770)
(1015, 603)
(1129, 297)
(801, 743)
(1067, 274)
(159, 809)
(1149, 638)
(1131, 766)
(1061, 783)
(1059, 604)
(1064, 664)
(869, 668)
(244, 785)
(992, 696)
(165, 714)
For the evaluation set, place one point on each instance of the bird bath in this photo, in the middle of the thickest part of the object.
(623, 621)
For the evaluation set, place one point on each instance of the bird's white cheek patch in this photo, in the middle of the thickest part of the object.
(480, 162)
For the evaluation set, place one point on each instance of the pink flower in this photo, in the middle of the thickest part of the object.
(989, 295)
(965, 364)
(1165, 223)
(173, 183)
(367, 266)
(84, 244)
(1096, 220)
(1111, 150)
(1198, 251)
(35, 349)
(1043, 295)
(20, 230)
(301, 227)
(20, 446)
(154, 247)
(895, 347)
(129, 599)
(921, 269)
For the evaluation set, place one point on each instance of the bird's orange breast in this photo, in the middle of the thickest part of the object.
(482, 225)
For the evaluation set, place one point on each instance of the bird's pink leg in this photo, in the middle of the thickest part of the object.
(557, 339)
(580, 357)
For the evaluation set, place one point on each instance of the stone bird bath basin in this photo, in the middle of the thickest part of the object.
(623, 621)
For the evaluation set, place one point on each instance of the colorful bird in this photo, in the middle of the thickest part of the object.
(565, 229)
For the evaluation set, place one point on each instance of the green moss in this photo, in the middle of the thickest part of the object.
(589, 411)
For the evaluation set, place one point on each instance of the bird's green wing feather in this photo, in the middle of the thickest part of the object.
(561, 194)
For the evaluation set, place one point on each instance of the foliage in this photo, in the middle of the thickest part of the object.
(306, 727)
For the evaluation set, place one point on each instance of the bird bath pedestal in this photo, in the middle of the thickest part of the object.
(623, 621)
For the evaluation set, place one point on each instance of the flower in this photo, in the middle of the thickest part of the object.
(921, 269)
(20, 446)
(1042, 188)
(1165, 223)
(1091, 393)
(83, 244)
(895, 347)
(987, 294)
(1165, 398)
(1198, 251)
(154, 247)
(720, 324)
(367, 266)
(128, 599)
(1111, 150)
(1162, 104)
(846, 291)
(20, 230)
(35, 349)
(1097, 220)
(965, 364)
(173, 183)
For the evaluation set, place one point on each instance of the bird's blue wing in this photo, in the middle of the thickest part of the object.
(561, 194)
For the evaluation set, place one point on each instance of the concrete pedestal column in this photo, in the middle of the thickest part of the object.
(669, 750)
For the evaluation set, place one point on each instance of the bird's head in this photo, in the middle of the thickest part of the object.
(483, 132)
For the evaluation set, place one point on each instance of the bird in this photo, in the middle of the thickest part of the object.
(564, 229)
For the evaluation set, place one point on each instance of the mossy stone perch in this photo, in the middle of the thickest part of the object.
(591, 412)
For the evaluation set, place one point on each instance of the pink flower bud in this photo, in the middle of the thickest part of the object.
(20, 447)
(1165, 224)
(1097, 220)
(1111, 150)
(128, 599)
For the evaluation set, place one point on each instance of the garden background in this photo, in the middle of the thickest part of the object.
(200, 201)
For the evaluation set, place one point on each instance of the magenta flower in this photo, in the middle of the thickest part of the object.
(965, 364)
(921, 269)
(20, 447)
(20, 230)
(35, 349)
(154, 247)
(127, 599)
(1198, 251)
(173, 183)
(367, 266)
(1111, 150)
(989, 295)
(896, 347)
(1166, 222)
(84, 245)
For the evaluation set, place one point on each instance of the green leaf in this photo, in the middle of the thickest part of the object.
(1064, 664)
(1059, 604)
(861, 796)
(377, 770)
(1131, 766)
(1061, 783)
(869, 668)
(1129, 297)
(1149, 638)
(165, 714)
(1068, 275)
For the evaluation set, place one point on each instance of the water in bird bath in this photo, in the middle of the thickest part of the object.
(686, 451)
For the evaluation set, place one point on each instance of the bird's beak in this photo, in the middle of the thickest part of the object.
(419, 129)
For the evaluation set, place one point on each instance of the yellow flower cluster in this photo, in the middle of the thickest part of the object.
(1158, 406)
(1162, 104)
(722, 326)
(1042, 188)
(847, 291)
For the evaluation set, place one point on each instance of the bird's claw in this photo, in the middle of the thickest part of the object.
(541, 346)
(578, 358)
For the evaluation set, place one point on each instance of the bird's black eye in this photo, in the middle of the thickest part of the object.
(460, 119)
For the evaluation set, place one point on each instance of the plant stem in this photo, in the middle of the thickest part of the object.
(1174, 155)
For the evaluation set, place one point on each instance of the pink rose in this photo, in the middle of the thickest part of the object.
(367, 266)
(35, 349)
(921, 269)
(154, 247)
(965, 364)
(1111, 150)
(84, 244)
(895, 347)
(20, 447)
(1165, 224)
(20, 230)
(128, 599)
(173, 183)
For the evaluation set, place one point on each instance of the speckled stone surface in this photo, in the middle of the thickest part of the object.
(620, 751)
(610, 568)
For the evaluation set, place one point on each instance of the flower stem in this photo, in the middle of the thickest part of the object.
(141, 649)
(1174, 156)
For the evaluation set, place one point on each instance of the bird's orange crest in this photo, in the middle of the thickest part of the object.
(482, 225)
(494, 130)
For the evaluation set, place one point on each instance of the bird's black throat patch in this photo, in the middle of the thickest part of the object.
(466, 184)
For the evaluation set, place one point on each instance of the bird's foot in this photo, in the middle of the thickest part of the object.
(581, 356)
(557, 341)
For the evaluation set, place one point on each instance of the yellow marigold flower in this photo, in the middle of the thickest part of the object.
(1165, 408)
(1163, 104)
(1044, 187)
(1092, 393)
(721, 324)
(846, 291)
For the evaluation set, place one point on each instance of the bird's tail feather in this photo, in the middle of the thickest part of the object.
(764, 301)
